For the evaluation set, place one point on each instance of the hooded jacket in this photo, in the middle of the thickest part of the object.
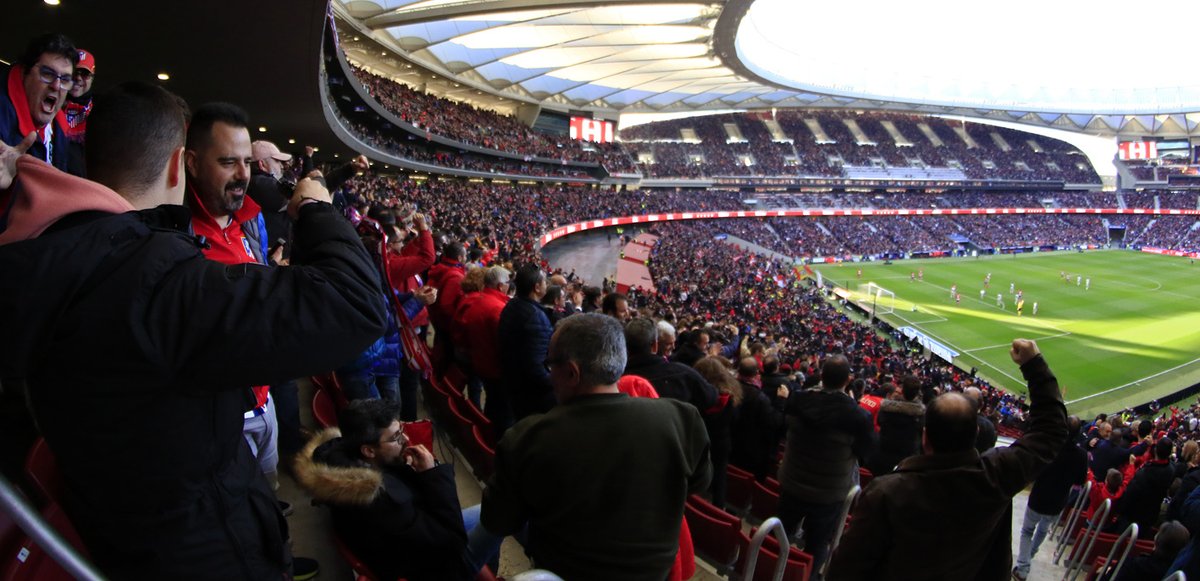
(900, 425)
(136, 351)
(400, 522)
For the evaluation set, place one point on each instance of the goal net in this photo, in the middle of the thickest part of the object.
(876, 299)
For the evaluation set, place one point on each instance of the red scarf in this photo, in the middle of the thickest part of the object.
(20, 102)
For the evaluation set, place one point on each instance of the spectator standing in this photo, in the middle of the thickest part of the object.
(719, 420)
(146, 420)
(559, 471)
(524, 335)
(34, 94)
(478, 321)
(759, 424)
(909, 523)
(901, 420)
(76, 109)
(671, 380)
(829, 436)
(1049, 497)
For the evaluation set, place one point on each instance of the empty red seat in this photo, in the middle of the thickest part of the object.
(764, 502)
(715, 533)
(323, 409)
(41, 471)
(740, 490)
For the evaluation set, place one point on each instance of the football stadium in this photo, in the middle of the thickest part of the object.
(597, 289)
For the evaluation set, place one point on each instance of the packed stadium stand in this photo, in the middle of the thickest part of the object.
(429, 188)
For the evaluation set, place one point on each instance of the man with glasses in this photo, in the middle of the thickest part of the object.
(393, 504)
(33, 97)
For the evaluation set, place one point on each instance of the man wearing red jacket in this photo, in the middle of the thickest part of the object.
(218, 158)
(478, 324)
(445, 275)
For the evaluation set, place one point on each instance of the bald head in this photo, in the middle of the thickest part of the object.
(976, 396)
(950, 424)
(835, 372)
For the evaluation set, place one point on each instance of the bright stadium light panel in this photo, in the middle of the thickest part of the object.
(1025, 55)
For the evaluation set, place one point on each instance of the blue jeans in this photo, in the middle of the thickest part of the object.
(820, 522)
(482, 545)
(1033, 531)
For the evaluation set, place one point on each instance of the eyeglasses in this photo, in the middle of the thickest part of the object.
(48, 75)
(399, 439)
(83, 74)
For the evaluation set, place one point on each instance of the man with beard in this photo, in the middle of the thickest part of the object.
(218, 159)
(32, 95)
(77, 107)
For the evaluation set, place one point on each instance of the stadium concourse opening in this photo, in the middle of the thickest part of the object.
(559, 202)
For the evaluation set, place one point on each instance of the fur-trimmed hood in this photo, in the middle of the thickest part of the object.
(332, 477)
(899, 406)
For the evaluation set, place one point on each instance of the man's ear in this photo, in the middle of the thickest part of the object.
(367, 452)
(175, 168)
(190, 161)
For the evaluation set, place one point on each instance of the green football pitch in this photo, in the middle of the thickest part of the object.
(1132, 337)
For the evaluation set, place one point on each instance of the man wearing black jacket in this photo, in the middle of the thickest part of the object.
(1049, 496)
(670, 379)
(524, 337)
(136, 350)
(392, 503)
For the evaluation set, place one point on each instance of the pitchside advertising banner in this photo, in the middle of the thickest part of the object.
(561, 231)
(933, 345)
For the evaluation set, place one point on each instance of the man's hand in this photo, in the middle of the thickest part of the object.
(277, 257)
(361, 163)
(309, 151)
(307, 189)
(427, 295)
(420, 222)
(419, 458)
(9, 157)
(782, 391)
(1023, 350)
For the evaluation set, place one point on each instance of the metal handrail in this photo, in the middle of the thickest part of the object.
(1058, 530)
(1089, 536)
(770, 525)
(536, 575)
(44, 535)
(1068, 533)
(1176, 576)
(847, 506)
(1130, 534)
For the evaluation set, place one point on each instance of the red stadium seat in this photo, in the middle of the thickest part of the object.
(42, 473)
(741, 490)
(420, 432)
(799, 564)
(864, 477)
(323, 409)
(483, 456)
(26, 560)
(764, 499)
(714, 533)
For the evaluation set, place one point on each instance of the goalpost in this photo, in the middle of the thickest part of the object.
(876, 299)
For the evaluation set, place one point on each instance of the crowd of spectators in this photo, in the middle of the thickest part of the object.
(467, 124)
(738, 144)
(705, 283)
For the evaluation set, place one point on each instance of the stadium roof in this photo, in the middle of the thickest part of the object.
(637, 56)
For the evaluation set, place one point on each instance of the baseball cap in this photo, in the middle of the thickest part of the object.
(261, 150)
(86, 61)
